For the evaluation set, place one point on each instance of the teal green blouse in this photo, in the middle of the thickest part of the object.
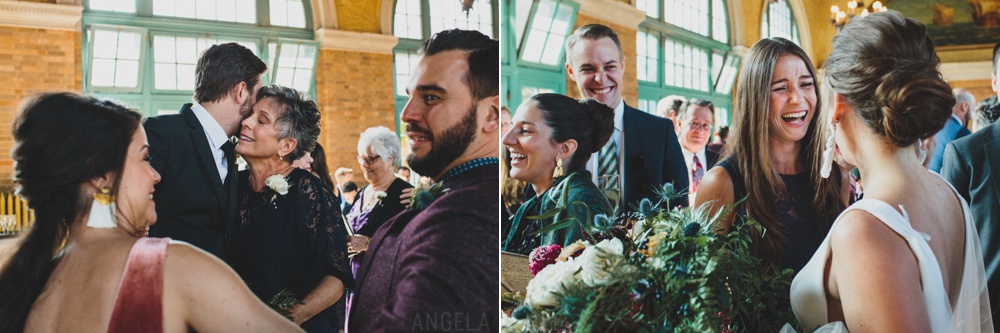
(584, 202)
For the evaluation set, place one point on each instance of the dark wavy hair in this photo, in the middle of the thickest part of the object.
(61, 140)
(587, 121)
(299, 118)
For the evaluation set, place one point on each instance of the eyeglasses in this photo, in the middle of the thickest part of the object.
(699, 126)
(368, 160)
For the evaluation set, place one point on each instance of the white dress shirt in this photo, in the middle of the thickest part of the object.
(216, 138)
(619, 138)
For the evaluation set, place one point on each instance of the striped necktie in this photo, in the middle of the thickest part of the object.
(608, 163)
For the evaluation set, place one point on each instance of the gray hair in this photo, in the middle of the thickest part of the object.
(380, 141)
(299, 118)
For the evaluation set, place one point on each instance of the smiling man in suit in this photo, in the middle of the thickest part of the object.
(196, 198)
(642, 148)
(696, 119)
(969, 165)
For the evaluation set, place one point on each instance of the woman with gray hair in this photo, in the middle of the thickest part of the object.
(289, 236)
(378, 154)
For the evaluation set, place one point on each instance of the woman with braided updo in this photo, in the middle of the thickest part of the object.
(906, 258)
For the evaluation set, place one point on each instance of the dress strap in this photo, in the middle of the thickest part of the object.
(139, 302)
(935, 296)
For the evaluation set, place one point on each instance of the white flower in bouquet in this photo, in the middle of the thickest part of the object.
(277, 183)
(508, 324)
(595, 261)
(543, 288)
(379, 195)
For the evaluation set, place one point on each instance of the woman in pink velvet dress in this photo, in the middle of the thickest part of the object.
(85, 265)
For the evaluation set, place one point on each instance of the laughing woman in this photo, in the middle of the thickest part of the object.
(775, 156)
(554, 135)
(289, 234)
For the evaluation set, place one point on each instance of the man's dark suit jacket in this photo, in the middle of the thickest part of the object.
(435, 269)
(192, 204)
(970, 164)
(652, 157)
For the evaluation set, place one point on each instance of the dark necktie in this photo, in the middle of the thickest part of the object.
(230, 156)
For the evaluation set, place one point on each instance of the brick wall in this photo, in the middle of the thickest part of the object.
(354, 91)
(630, 88)
(32, 61)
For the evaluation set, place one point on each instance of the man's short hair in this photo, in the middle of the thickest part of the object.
(670, 103)
(483, 77)
(593, 32)
(696, 101)
(404, 168)
(221, 68)
(350, 187)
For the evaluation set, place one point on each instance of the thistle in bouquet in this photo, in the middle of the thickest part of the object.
(283, 302)
(674, 271)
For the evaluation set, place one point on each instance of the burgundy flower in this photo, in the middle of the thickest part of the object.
(543, 256)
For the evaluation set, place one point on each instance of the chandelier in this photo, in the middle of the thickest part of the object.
(840, 18)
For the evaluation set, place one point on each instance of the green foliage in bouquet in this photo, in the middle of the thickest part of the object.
(283, 302)
(675, 273)
(423, 197)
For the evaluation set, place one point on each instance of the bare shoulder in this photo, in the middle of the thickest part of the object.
(867, 240)
(188, 265)
(716, 186)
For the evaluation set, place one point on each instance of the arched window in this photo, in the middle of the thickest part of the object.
(143, 52)
(779, 21)
(683, 49)
(416, 20)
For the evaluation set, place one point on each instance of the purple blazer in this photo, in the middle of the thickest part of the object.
(435, 269)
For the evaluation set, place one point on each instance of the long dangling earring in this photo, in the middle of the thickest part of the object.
(558, 172)
(102, 210)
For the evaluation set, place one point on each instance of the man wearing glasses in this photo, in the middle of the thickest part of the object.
(696, 120)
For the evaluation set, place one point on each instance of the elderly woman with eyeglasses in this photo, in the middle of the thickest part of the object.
(289, 235)
(378, 155)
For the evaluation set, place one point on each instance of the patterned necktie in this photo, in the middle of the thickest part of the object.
(607, 169)
(608, 165)
(696, 173)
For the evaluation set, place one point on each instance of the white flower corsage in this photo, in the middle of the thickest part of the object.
(379, 195)
(278, 184)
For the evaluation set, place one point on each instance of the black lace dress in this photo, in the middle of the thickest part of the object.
(291, 242)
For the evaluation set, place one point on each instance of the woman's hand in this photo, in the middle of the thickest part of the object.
(300, 313)
(357, 243)
(405, 197)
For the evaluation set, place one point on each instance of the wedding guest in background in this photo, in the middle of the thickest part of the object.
(985, 113)
(641, 155)
(404, 173)
(350, 196)
(511, 193)
(505, 116)
(319, 169)
(719, 143)
(290, 235)
(551, 140)
(906, 258)
(196, 200)
(969, 164)
(84, 266)
(696, 121)
(669, 106)
(304, 163)
(955, 127)
(342, 176)
(378, 154)
(435, 267)
(775, 157)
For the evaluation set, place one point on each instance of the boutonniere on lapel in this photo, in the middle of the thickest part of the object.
(278, 184)
(379, 195)
(423, 197)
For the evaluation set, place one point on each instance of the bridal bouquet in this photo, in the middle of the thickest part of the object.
(670, 272)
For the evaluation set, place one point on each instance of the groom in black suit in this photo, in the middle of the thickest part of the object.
(196, 198)
(643, 148)
(969, 164)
